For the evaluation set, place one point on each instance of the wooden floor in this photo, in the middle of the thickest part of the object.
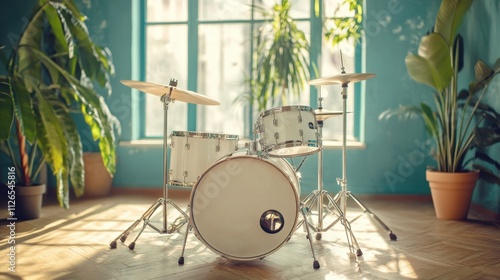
(74, 244)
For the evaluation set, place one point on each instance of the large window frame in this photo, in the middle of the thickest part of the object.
(193, 22)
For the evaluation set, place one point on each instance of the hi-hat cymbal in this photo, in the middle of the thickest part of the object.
(177, 93)
(322, 114)
(344, 78)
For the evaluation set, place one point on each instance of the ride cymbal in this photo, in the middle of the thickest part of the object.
(344, 78)
(177, 93)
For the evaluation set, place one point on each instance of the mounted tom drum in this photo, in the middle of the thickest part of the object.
(288, 131)
(193, 152)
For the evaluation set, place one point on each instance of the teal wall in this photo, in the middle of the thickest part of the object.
(481, 32)
(395, 157)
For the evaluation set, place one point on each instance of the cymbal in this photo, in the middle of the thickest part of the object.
(344, 78)
(321, 114)
(177, 93)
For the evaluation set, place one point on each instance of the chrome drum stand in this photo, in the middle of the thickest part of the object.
(168, 94)
(338, 203)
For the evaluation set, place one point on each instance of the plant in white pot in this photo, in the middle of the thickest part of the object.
(460, 124)
(51, 73)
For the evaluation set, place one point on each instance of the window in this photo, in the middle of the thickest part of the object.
(207, 46)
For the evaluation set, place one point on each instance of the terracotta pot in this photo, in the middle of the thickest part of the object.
(98, 181)
(29, 201)
(452, 193)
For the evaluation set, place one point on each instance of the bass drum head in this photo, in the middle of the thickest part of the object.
(245, 207)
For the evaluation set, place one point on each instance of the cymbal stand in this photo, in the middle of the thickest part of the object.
(162, 201)
(344, 194)
(319, 195)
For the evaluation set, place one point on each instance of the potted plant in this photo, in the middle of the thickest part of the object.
(281, 64)
(51, 74)
(460, 124)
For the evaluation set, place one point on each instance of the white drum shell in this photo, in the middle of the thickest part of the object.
(231, 196)
(193, 152)
(280, 131)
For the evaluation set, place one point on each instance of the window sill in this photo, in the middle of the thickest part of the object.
(327, 144)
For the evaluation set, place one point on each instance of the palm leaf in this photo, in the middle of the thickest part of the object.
(432, 65)
(430, 120)
(74, 152)
(95, 112)
(90, 58)
(6, 109)
(281, 67)
(52, 142)
(63, 39)
(449, 18)
(23, 108)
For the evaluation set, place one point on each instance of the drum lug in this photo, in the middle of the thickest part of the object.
(301, 133)
(299, 118)
(275, 122)
(276, 136)
(217, 147)
(187, 146)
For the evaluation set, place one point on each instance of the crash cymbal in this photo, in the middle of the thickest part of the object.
(322, 114)
(177, 93)
(344, 78)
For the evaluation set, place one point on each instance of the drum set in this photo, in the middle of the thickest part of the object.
(245, 201)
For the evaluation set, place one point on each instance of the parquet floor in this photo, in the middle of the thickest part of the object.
(74, 244)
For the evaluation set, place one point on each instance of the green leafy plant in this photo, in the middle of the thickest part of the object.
(50, 74)
(281, 65)
(340, 28)
(460, 124)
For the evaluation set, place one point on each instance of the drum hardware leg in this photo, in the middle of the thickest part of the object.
(181, 258)
(365, 209)
(303, 210)
(300, 164)
(179, 221)
(145, 217)
(343, 195)
(163, 201)
(317, 198)
(351, 240)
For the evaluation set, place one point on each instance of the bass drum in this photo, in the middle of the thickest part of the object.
(245, 207)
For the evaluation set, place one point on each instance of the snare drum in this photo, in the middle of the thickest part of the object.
(288, 131)
(193, 152)
(245, 207)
